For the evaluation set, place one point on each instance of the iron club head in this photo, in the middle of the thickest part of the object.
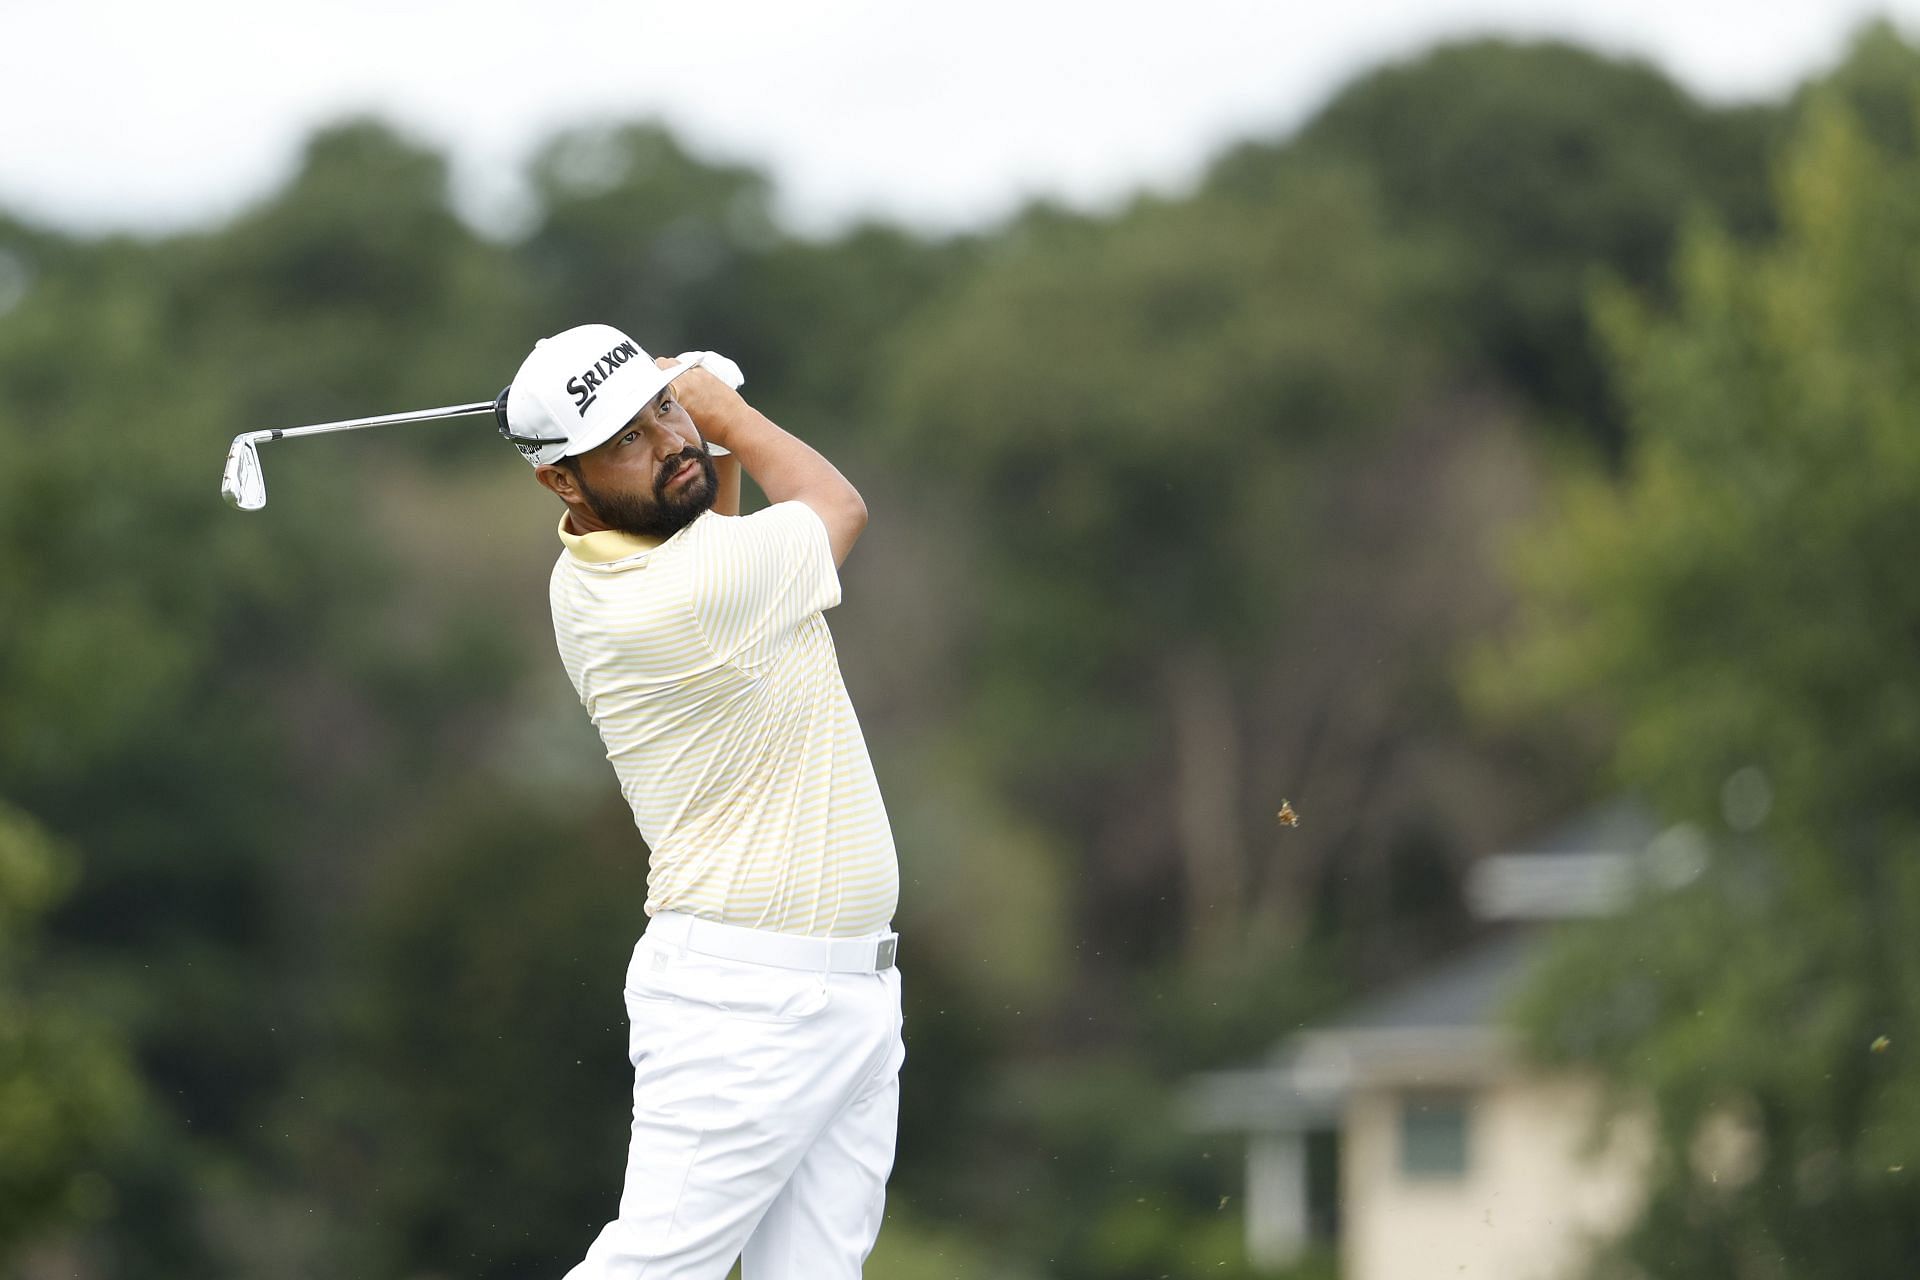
(243, 483)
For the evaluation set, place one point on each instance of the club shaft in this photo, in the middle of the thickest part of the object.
(385, 419)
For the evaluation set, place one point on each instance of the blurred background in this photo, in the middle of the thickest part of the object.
(1492, 432)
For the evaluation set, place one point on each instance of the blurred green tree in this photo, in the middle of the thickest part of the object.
(475, 1123)
(1207, 452)
(1533, 166)
(1875, 80)
(68, 1093)
(353, 290)
(213, 710)
(1744, 603)
(634, 230)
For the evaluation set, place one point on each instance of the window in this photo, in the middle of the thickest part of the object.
(1433, 1136)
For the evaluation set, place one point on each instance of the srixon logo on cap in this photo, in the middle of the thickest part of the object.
(585, 386)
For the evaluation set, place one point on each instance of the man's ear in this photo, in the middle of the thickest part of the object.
(559, 481)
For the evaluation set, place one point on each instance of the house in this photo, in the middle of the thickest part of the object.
(1409, 1134)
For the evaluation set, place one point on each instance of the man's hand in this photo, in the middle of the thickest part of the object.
(711, 403)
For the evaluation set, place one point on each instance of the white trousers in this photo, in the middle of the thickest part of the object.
(765, 1103)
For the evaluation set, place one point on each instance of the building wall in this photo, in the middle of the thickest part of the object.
(1525, 1206)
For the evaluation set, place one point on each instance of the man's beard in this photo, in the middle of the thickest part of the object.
(667, 513)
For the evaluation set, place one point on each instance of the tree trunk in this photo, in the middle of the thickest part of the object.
(1206, 781)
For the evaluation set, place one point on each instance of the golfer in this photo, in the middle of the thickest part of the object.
(763, 998)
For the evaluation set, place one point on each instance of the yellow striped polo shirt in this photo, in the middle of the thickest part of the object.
(708, 669)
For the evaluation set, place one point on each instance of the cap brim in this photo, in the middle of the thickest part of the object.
(620, 412)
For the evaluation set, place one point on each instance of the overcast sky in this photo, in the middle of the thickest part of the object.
(147, 115)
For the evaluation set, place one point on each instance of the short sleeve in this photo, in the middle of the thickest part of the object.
(757, 577)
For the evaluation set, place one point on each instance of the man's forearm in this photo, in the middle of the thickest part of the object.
(787, 468)
(782, 464)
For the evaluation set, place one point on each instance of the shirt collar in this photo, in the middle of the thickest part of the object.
(603, 546)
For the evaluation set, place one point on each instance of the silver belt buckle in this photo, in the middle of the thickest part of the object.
(883, 954)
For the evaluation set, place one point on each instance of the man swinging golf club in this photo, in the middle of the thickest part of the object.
(763, 998)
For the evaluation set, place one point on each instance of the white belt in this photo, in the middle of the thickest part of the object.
(869, 954)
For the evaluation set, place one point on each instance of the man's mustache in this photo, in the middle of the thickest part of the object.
(673, 465)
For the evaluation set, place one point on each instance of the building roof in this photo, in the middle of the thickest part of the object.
(1590, 866)
(1620, 825)
(1443, 1028)
(1466, 991)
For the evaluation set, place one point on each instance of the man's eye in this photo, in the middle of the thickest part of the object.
(630, 437)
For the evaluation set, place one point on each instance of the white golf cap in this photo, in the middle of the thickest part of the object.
(576, 389)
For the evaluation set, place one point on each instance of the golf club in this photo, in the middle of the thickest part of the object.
(244, 484)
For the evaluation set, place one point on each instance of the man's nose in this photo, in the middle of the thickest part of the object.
(668, 443)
